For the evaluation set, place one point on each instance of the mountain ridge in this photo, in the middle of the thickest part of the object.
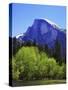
(45, 33)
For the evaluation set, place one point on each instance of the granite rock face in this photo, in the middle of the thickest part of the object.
(45, 32)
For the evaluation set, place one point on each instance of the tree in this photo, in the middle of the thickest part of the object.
(51, 67)
(57, 53)
(48, 50)
(16, 45)
(29, 64)
(15, 70)
(28, 43)
(34, 42)
(40, 48)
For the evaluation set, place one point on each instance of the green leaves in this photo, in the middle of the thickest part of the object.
(29, 64)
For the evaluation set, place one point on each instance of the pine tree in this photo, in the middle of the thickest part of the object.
(57, 53)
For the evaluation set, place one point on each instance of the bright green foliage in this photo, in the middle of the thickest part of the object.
(62, 72)
(15, 70)
(51, 67)
(29, 64)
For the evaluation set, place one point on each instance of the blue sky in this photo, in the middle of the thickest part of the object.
(23, 16)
